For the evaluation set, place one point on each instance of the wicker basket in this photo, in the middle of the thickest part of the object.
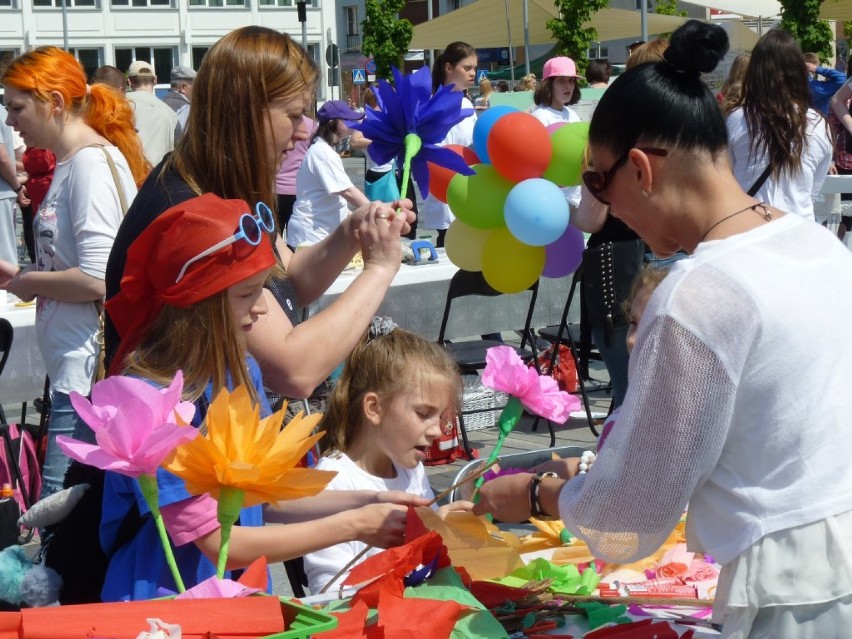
(480, 398)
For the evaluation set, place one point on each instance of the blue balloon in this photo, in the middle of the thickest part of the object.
(536, 212)
(482, 128)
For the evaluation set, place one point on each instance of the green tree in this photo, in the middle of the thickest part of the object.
(668, 8)
(572, 39)
(385, 37)
(800, 18)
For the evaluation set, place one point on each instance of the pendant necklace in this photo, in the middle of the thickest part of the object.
(765, 214)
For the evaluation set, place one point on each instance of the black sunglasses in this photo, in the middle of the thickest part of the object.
(597, 183)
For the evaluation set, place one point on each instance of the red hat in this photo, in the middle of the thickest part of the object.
(158, 254)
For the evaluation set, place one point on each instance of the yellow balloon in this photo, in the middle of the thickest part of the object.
(508, 265)
(464, 245)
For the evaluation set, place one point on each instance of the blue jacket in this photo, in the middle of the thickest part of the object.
(823, 90)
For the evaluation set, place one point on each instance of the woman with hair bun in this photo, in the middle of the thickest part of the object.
(99, 163)
(780, 147)
(713, 419)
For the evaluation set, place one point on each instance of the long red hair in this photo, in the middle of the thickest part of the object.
(104, 109)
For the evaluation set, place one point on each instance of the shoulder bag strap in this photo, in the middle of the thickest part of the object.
(761, 180)
(122, 196)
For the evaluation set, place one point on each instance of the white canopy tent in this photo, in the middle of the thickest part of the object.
(483, 24)
(747, 8)
(836, 10)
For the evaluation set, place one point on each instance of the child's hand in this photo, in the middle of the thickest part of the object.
(455, 507)
(380, 525)
(400, 498)
(565, 468)
(7, 272)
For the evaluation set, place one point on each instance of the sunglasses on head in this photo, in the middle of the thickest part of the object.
(251, 228)
(597, 182)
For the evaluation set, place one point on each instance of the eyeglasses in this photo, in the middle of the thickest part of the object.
(597, 183)
(251, 230)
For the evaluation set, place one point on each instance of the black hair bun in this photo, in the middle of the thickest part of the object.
(697, 47)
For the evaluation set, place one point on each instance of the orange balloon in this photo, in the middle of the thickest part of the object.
(519, 147)
(439, 176)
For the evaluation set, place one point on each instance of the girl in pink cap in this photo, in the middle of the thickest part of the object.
(557, 90)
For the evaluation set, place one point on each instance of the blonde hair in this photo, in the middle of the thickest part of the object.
(103, 108)
(647, 279)
(732, 87)
(180, 338)
(648, 52)
(527, 83)
(485, 88)
(386, 365)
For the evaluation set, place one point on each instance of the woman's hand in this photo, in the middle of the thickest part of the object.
(460, 506)
(381, 525)
(506, 497)
(567, 468)
(23, 197)
(400, 498)
(379, 234)
(7, 272)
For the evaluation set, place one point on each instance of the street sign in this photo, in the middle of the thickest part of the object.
(332, 55)
(371, 66)
(358, 76)
(481, 75)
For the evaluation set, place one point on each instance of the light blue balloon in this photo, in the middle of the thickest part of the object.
(482, 128)
(536, 212)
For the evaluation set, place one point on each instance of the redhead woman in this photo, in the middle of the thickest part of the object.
(99, 162)
(713, 419)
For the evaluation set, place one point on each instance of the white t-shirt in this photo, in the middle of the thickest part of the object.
(434, 214)
(790, 193)
(737, 403)
(75, 227)
(322, 565)
(547, 116)
(318, 209)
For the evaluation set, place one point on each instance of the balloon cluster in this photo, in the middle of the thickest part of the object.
(512, 216)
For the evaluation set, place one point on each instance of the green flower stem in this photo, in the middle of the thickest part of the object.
(148, 485)
(412, 148)
(509, 418)
(230, 503)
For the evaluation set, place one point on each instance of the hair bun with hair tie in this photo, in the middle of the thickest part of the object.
(697, 47)
(380, 326)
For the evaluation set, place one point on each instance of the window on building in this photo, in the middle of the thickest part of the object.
(91, 59)
(68, 3)
(142, 3)
(6, 56)
(217, 3)
(278, 3)
(10, 4)
(198, 54)
(162, 59)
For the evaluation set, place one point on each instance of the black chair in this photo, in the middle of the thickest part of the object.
(579, 341)
(470, 354)
(7, 335)
(295, 569)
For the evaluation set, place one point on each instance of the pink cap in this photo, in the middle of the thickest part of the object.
(560, 67)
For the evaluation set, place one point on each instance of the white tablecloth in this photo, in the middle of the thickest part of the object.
(23, 376)
(416, 297)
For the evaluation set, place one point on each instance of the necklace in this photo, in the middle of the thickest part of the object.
(765, 214)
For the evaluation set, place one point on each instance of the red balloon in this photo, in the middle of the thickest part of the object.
(439, 177)
(519, 147)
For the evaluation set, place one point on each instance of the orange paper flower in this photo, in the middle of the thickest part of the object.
(239, 450)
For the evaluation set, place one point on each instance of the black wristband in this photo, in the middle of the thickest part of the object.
(535, 503)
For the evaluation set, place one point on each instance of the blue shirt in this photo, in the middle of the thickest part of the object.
(823, 90)
(138, 569)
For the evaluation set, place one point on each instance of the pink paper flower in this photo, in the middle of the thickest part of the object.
(136, 425)
(540, 394)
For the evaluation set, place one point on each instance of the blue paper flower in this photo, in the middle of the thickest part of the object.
(410, 124)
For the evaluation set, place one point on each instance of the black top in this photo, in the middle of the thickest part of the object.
(613, 230)
(161, 191)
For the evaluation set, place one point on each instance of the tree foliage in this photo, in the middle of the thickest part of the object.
(800, 18)
(668, 8)
(385, 37)
(572, 39)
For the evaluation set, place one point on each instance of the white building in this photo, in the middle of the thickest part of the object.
(163, 32)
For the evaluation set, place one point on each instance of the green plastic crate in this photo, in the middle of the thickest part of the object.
(303, 621)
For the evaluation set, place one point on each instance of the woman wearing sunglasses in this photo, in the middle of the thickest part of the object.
(233, 148)
(713, 418)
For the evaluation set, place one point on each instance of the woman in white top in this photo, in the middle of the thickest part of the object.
(716, 416)
(773, 124)
(456, 67)
(90, 130)
(323, 189)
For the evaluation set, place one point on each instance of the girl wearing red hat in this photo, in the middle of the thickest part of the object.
(198, 271)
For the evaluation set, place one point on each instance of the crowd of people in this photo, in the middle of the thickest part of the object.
(225, 218)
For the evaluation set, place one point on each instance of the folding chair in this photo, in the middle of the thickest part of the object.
(7, 335)
(579, 341)
(470, 354)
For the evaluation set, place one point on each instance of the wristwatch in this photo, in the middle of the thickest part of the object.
(535, 505)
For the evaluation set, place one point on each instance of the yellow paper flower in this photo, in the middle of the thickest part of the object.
(239, 450)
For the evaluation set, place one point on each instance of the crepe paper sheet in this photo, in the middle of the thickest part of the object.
(506, 372)
(227, 618)
(411, 123)
(600, 614)
(675, 562)
(567, 579)
(215, 588)
(492, 594)
(136, 425)
(645, 629)
(475, 544)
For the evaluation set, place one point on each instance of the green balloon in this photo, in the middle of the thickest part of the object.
(569, 145)
(478, 200)
(509, 265)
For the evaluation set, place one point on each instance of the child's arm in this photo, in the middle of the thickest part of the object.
(380, 525)
(329, 502)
